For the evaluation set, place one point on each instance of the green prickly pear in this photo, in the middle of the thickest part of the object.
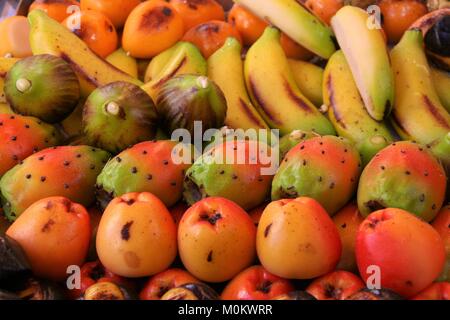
(323, 168)
(404, 175)
(145, 167)
(68, 171)
(218, 172)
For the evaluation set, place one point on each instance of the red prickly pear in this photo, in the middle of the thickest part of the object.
(323, 168)
(145, 167)
(404, 175)
(68, 171)
(21, 136)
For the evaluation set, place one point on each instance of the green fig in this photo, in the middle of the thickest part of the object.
(117, 116)
(188, 98)
(43, 86)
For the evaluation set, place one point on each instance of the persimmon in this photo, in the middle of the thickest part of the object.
(116, 10)
(398, 15)
(324, 9)
(195, 12)
(54, 233)
(211, 36)
(56, 9)
(14, 35)
(95, 29)
(152, 27)
(251, 27)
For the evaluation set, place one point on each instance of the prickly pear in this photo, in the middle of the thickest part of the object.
(21, 136)
(404, 175)
(145, 167)
(324, 168)
(234, 170)
(68, 171)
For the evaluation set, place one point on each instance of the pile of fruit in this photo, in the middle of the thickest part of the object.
(96, 204)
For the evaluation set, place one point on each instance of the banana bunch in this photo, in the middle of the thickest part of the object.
(226, 69)
(418, 113)
(274, 92)
(347, 112)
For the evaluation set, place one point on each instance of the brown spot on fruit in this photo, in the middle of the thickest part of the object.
(264, 287)
(156, 19)
(267, 230)
(131, 259)
(125, 232)
(210, 256)
(374, 205)
(47, 226)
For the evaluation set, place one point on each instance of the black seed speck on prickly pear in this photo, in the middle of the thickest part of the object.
(94, 150)
(222, 172)
(234, 177)
(92, 166)
(78, 155)
(260, 179)
(422, 198)
(433, 206)
(343, 161)
(134, 170)
(43, 178)
(165, 162)
(144, 152)
(1, 123)
(13, 138)
(332, 185)
(173, 183)
(383, 167)
(15, 157)
(304, 162)
(149, 177)
(12, 117)
(66, 186)
(209, 258)
(320, 179)
(66, 163)
(27, 126)
(41, 158)
(407, 173)
(302, 147)
(323, 151)
(425, 174)
(28, 176)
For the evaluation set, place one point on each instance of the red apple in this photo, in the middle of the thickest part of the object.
(162, 282)
(256, 283)
(408, 252)
(337, 285)
(437, 291)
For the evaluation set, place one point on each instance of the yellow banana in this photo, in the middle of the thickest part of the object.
(347, 112)
(183, 58)
(441, 81)
(48, 36)
(418, 113)
(273, 90)
(226, 69)
(366, 52)
(123, 61)
(308, 78)
(295, 21)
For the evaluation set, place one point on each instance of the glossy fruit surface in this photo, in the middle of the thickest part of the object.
(409, 253)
